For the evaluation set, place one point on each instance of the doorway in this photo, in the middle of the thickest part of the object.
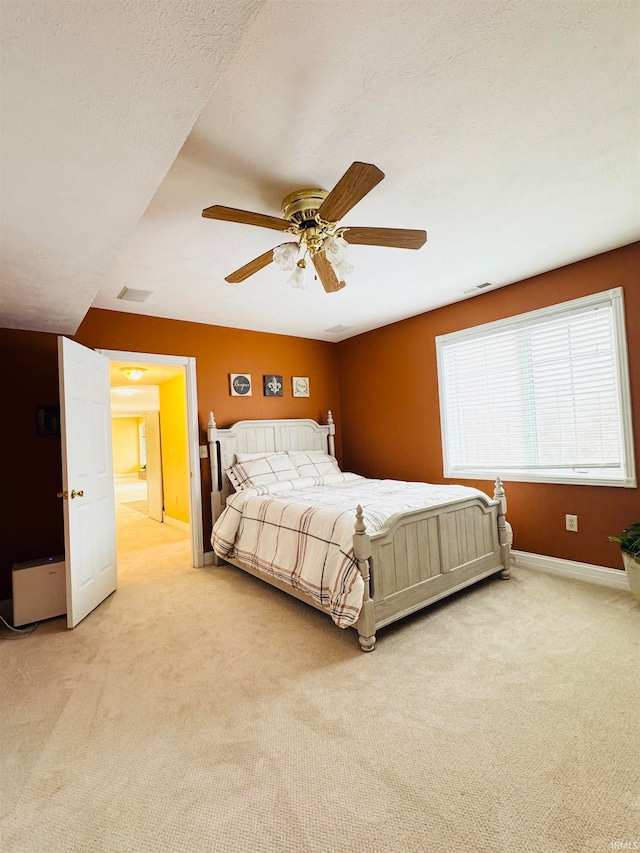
(156, 441)
(141, 464)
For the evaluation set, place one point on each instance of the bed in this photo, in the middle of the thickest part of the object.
(386, 564)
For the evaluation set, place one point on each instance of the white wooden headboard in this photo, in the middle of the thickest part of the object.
(257, 436)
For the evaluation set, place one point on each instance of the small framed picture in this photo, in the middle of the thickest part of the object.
(48, 420)
(272, 386)
(300, 386)
(240, 384)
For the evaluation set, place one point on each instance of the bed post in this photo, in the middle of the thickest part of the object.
(362, 550)
(504, 532)
(332, 432)
(216, 475)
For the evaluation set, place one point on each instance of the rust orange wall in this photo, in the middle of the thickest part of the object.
(381, 386)
(220, 351)
(390, 409)
(32, 515)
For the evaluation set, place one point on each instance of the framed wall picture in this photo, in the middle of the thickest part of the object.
(272, 385)
(300, 386)
(240, 384)
(48, 420)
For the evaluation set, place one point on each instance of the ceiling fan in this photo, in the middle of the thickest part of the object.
(311, 215)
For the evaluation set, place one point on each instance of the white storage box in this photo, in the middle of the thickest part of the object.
(39, 590)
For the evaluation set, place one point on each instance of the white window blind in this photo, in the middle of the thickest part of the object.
(543, 396)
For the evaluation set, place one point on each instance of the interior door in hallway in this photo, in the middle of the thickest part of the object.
(155, 494)
(87, 478)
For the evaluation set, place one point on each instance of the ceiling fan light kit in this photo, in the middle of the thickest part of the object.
(312, 215)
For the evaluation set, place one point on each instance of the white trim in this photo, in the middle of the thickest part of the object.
(515, 321)
(175, 522)
(144, 357)
(615, 578)
(209, 558)
(193, 436)
(519, 476)
(624, 383)
(625, 475)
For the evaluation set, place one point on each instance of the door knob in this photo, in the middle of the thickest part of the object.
(75, 494)
(64, 495)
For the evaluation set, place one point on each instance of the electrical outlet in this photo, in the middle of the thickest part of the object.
(572, 523)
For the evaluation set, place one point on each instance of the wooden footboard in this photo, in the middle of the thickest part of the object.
(422, 556)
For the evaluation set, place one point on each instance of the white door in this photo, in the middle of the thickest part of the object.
(87, 478)
(155, 491)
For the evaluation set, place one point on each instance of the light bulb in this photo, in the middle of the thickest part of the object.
(336, 249)
(343, 269)
(285, 255)
(298, 277)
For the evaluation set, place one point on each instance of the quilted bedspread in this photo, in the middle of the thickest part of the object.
(301, 531)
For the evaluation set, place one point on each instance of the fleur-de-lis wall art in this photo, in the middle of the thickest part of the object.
(272, 385)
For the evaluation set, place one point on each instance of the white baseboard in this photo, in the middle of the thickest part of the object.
(209, 557)
(174, 522)
(571, 569)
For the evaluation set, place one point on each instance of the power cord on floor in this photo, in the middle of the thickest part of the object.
(22, 632)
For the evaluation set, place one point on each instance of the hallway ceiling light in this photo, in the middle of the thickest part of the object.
(133, 373)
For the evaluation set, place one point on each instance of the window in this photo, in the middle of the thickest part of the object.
(541, 397)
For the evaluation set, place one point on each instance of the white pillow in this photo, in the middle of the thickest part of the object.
(314, 463)
(233, 477)
(262, 471)
(249, 457)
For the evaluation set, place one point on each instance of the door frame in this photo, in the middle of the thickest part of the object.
(193, 436)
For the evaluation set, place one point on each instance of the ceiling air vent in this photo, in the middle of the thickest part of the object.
(477, 287)
(338, 330)
(130, 295)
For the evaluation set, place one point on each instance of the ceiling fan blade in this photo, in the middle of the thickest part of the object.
(397, 238)
(249, 269)
(245, 217)
(357, 181)
(326, 273)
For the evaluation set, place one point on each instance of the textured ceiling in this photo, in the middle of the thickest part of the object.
(509, 130)
(97, 99)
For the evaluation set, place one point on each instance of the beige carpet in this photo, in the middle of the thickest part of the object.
(200, 710)
(139, 506)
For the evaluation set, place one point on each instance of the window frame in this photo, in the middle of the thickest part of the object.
(627, 475)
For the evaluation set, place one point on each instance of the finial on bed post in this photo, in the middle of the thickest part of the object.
(504, 529)
(332, 431)
(362, 552)
(499, 495)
